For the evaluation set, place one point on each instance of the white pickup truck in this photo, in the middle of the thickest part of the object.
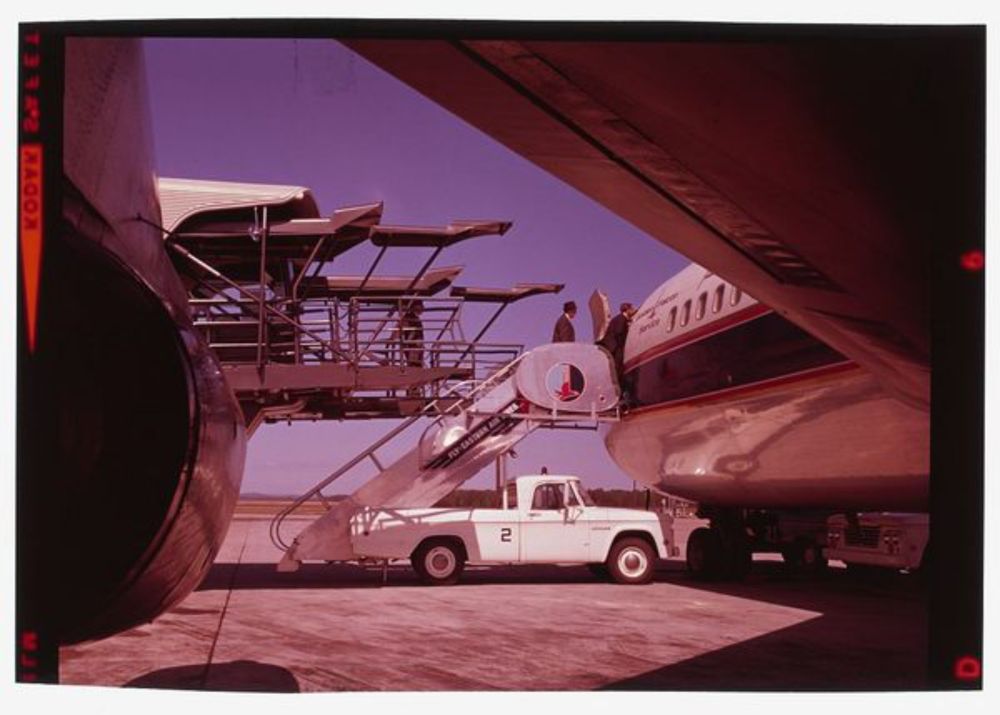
(544, 519)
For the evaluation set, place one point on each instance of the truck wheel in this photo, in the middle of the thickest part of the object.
(631, 561)
(438, 563)
(705, 554)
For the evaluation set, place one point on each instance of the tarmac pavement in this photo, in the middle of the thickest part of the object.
(339, 627)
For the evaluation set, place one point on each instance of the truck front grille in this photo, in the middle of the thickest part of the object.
(862, 536)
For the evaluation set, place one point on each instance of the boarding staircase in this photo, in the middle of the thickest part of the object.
(471, 425)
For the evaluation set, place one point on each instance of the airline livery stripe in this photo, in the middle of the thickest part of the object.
(751, 312)
(743, 390)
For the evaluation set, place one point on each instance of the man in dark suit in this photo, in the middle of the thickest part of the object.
(614, 337)
(614, 341)
(564, 332)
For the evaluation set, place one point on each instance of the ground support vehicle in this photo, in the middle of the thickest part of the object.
(543, 519)
(890, 540)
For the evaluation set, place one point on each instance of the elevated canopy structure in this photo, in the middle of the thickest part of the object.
(296, 341)
(431, 283)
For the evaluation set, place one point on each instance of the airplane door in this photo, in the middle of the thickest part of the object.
(600, 313)
(553, 530)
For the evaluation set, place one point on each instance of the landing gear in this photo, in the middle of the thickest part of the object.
(805, 555)
(704, 554)
(724, 551)
(717, 554)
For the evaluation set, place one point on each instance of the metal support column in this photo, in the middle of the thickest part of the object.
(261, 231)
(481, 333)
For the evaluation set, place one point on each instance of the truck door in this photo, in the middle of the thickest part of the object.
(498, 531)
(552, 529)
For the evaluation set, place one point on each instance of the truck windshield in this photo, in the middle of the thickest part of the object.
(584, 494)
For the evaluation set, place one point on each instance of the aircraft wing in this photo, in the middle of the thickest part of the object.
(823, 174)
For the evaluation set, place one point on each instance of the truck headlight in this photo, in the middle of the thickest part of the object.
(890, 537)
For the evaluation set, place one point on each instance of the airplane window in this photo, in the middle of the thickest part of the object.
(737, 294)
(672, 319)
(717, 299)
(686, 313)
(699, 312)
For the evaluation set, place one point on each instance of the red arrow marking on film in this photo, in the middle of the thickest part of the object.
(31, 233)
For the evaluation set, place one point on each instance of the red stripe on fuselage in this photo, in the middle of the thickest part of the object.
(743, 315)
(729, 393)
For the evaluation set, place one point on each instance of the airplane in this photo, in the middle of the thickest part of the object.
(781, 159)
(736, 408)
(834, 173)
(785, 162)
(132, 444)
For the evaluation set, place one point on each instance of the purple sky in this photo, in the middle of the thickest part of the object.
(312, 113)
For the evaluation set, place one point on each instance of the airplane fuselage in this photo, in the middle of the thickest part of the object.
(732, 405)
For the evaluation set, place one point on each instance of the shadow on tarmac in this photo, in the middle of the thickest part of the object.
(263, 576)
(809, 656)
(832, 652)
(237, 676)
(768, 581)
(880, 646)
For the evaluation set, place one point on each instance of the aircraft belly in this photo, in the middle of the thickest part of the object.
(841, 443)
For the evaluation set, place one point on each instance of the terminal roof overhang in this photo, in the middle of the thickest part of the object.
(223, 223)
(430, 283)
(504, 295)
(182, 199)
(425, 237)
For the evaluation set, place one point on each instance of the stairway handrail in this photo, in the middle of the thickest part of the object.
(489, 382)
